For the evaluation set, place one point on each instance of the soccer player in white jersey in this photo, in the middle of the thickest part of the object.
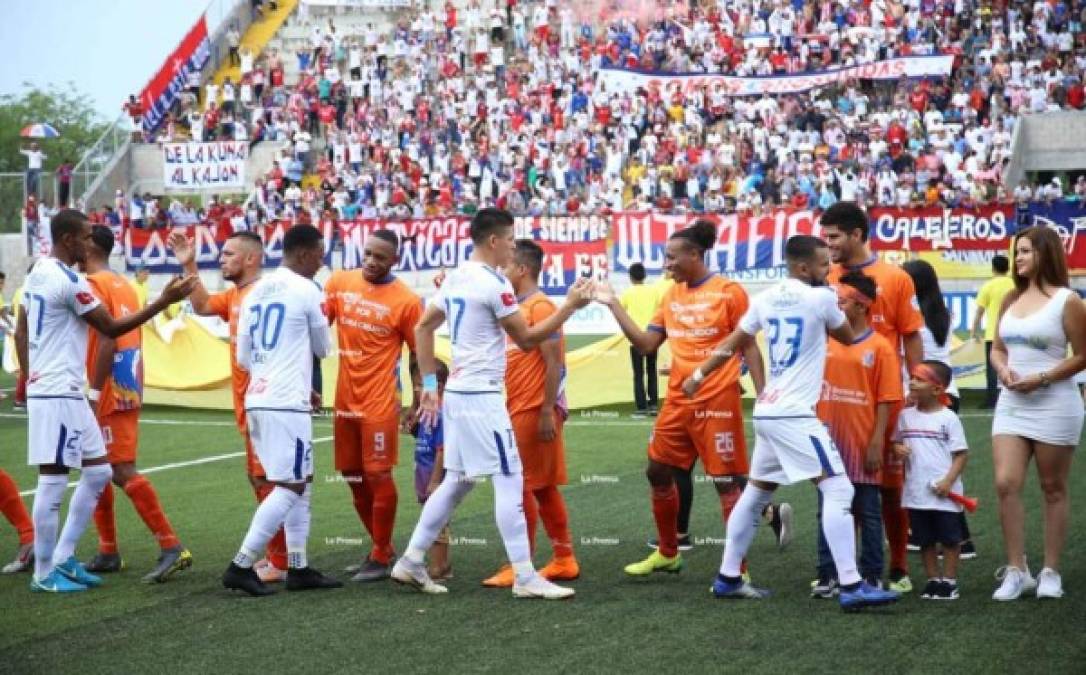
(479, 303)
(281, 328)
(791, 445)
(51, 342)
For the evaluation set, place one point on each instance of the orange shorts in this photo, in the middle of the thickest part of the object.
(893, 467)
(685, 432)
(365, 445)
(120, 432)
(544, 463)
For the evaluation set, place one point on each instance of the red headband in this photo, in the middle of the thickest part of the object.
(850, 293)
(927, 374)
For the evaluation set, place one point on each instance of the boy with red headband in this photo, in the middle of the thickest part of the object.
(930, 438)
(861, 386)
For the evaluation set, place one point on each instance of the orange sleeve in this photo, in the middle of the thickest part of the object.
(409, 318)
(659, 318)
(887, 376)
(220, 304)
(540, 310)
(739, 303)
(908, 319)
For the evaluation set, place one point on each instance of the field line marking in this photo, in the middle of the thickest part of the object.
(181, 465)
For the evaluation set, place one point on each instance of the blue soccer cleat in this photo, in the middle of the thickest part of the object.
(55, 583)
(740, 589)
(866, 595)
(74, 570)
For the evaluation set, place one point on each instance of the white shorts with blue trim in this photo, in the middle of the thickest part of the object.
(478, 435)
(283, 442)
(62, 431)
(792, 449)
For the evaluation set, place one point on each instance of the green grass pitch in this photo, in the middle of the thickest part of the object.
(665, 623)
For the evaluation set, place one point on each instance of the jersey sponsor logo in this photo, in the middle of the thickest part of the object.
(508, 299)
(84, 298)
(869, 359)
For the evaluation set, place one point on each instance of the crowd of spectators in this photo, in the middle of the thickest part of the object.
(497, 103)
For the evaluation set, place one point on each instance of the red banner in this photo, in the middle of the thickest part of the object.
(172, 77)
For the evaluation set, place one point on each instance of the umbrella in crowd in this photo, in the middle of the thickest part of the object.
(41, 130)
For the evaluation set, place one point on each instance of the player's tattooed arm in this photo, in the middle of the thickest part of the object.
(738, 341)
(100, 319)
(429, 403)
(529, 337)
(185, 253)
(645, 341)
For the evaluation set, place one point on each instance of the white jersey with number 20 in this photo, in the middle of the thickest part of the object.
(795, 317)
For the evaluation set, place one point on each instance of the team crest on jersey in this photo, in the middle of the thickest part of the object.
(84, 298)
(869, 359)
(508, 299)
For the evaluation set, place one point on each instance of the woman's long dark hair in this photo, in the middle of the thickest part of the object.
(930, 297)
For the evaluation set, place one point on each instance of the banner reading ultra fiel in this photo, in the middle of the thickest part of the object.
(624, 81)
(166, 86)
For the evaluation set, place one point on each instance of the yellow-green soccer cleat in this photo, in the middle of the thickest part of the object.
(656, 562)
(170, 562)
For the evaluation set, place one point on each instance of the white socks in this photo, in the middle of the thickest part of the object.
(268, 518)
(296, 528)
(742, 525)
(509, 512)
(436, 512)
(838, 526)
(46, 516)
(88, 490)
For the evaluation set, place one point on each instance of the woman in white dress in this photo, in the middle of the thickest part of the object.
(1039, 414)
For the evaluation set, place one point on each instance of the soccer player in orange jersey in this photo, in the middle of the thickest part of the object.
(535, 398)
(860, 387)
(896, 316)
(375, 315)
(13, 508)
(115, 373)
(694, 315)
(241, 260)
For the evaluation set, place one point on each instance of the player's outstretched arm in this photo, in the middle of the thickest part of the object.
(529, 337)
(753, 356)
(185, 253)
(738, 340)
(100, 320)
(22, 349)
(842, 333)
(644, 341)
(429, 404)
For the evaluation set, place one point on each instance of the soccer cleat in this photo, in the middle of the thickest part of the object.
(74, 570)
(1049, 584)
(656, 562)
(24, 558)
(968, 550)
(825, 588)
(538, 587)
(55, 583)
(105, 563)
(415, 575)
(269, 573)
(685, 543)
(900, 582)
(947, 591)
(780, 520)
(440, 574)
(561, 569)
(931, 589)
(308, 579)
(1015, 582)
(245, 579)
(741, 589)
(864, 595)
(372, 570)
(503, 578)
(874, 582)
(170, 562)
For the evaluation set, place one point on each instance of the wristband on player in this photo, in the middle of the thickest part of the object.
(93, 395)
(429, 382)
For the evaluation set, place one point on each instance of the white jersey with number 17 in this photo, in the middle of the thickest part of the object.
(475, 297)
(795, 317)
(281, 328)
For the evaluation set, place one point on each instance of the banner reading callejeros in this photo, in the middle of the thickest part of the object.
(204, 166)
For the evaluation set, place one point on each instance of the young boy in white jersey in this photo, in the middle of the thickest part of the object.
(481, 307)
(51, 343)
(930, 437)
(282, 327)
(790, 443)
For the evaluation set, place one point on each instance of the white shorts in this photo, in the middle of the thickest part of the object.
(478, 435)
(62, 431)
(283, 442)
(791, 449)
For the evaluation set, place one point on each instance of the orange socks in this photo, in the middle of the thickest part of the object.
(728, 501)
(383, 489)
(363, 501)
(552, 508)
(13, 508)
(896, 521)
(276, 550)
(145, 499)
(665, 509)
(105, 522)
(531, 517)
